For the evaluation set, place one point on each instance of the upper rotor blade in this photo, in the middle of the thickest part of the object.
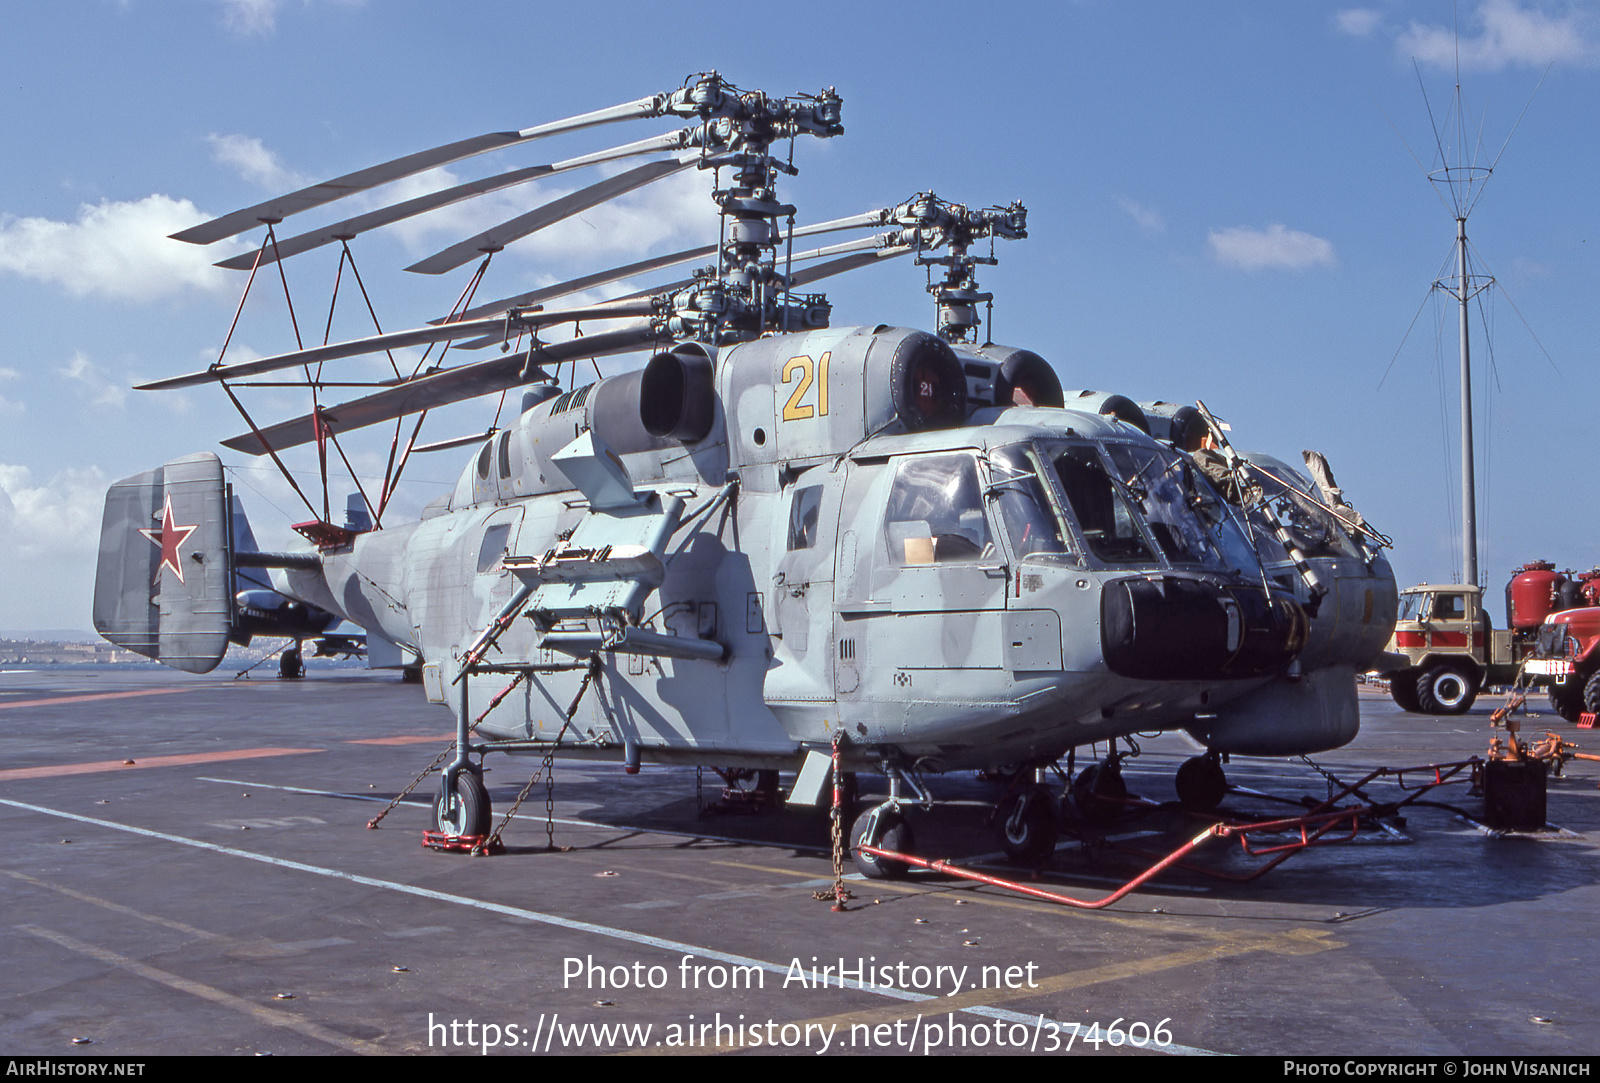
(493, 240)
(839, 266)
(395, 340)
(353, 227)
(442, 388)
(276, 210)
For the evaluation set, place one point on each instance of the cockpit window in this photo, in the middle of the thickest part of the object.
(1025, 511)
(935, 512)
(1109, 527)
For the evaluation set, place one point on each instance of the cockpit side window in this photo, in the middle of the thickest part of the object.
(1109, 527)
(935, 512)
(1029, 519)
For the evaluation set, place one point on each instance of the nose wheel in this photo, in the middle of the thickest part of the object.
(464, 808)
(1201, 783)
(885, 827)
(1029, 824)
(1099, 792)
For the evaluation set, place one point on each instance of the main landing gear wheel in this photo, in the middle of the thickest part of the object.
(883, 826)
(1099, 792)
(1446, 689)
(1403, 690)
(1028, 825)
(465, 811)
(1201, 783)
(290, 667)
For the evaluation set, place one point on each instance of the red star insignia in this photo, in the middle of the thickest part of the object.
(167, 539)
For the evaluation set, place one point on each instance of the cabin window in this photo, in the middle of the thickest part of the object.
(483, 460)
(803, 513)
(935, 513)
(1449, 607)
(493, 548)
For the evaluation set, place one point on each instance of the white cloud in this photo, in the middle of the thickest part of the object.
(1146, 218)
(1358, 22)
(115, 249)
(254, 162)
(1276, 247)
(250, 18)
(1512, 35)
(93, 382)
(50, 520)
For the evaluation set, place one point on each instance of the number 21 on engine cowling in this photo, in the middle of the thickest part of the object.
(796, 409)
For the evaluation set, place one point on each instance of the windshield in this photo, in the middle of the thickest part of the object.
(1110, 527)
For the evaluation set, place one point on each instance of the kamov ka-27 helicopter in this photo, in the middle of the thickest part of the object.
(777, 542)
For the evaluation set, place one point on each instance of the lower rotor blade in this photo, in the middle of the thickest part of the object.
(442, 388)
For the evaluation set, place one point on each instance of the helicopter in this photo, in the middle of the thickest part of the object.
(778, 545)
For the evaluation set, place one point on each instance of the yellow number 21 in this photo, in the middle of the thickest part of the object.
(793, 410)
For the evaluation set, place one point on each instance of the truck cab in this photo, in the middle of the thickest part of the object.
(1444, 650)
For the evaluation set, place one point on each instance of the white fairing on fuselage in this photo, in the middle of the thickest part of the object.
(837, 608)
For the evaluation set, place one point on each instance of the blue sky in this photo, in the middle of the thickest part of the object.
(1226, 201)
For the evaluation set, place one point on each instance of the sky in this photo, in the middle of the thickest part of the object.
(1226, 201)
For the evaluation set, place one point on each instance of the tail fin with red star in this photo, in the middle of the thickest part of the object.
(163, 585)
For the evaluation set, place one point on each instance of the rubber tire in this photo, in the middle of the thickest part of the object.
(1446, 690)
(894, 833)
(1099, 792)
(1403, 690)
(1566, 699)
(1201, 784)
(290, 666)
(1028, 822)
(1591, 693)
(469, 812)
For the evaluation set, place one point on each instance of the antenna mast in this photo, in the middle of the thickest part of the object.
(1464, 185)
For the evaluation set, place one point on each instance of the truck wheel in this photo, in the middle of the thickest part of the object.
(1403, 690)
(1591, 693)
(1566, 699)
(1446, 689)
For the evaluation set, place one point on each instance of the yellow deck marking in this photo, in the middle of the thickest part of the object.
(99, 766)
(258, 1012)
